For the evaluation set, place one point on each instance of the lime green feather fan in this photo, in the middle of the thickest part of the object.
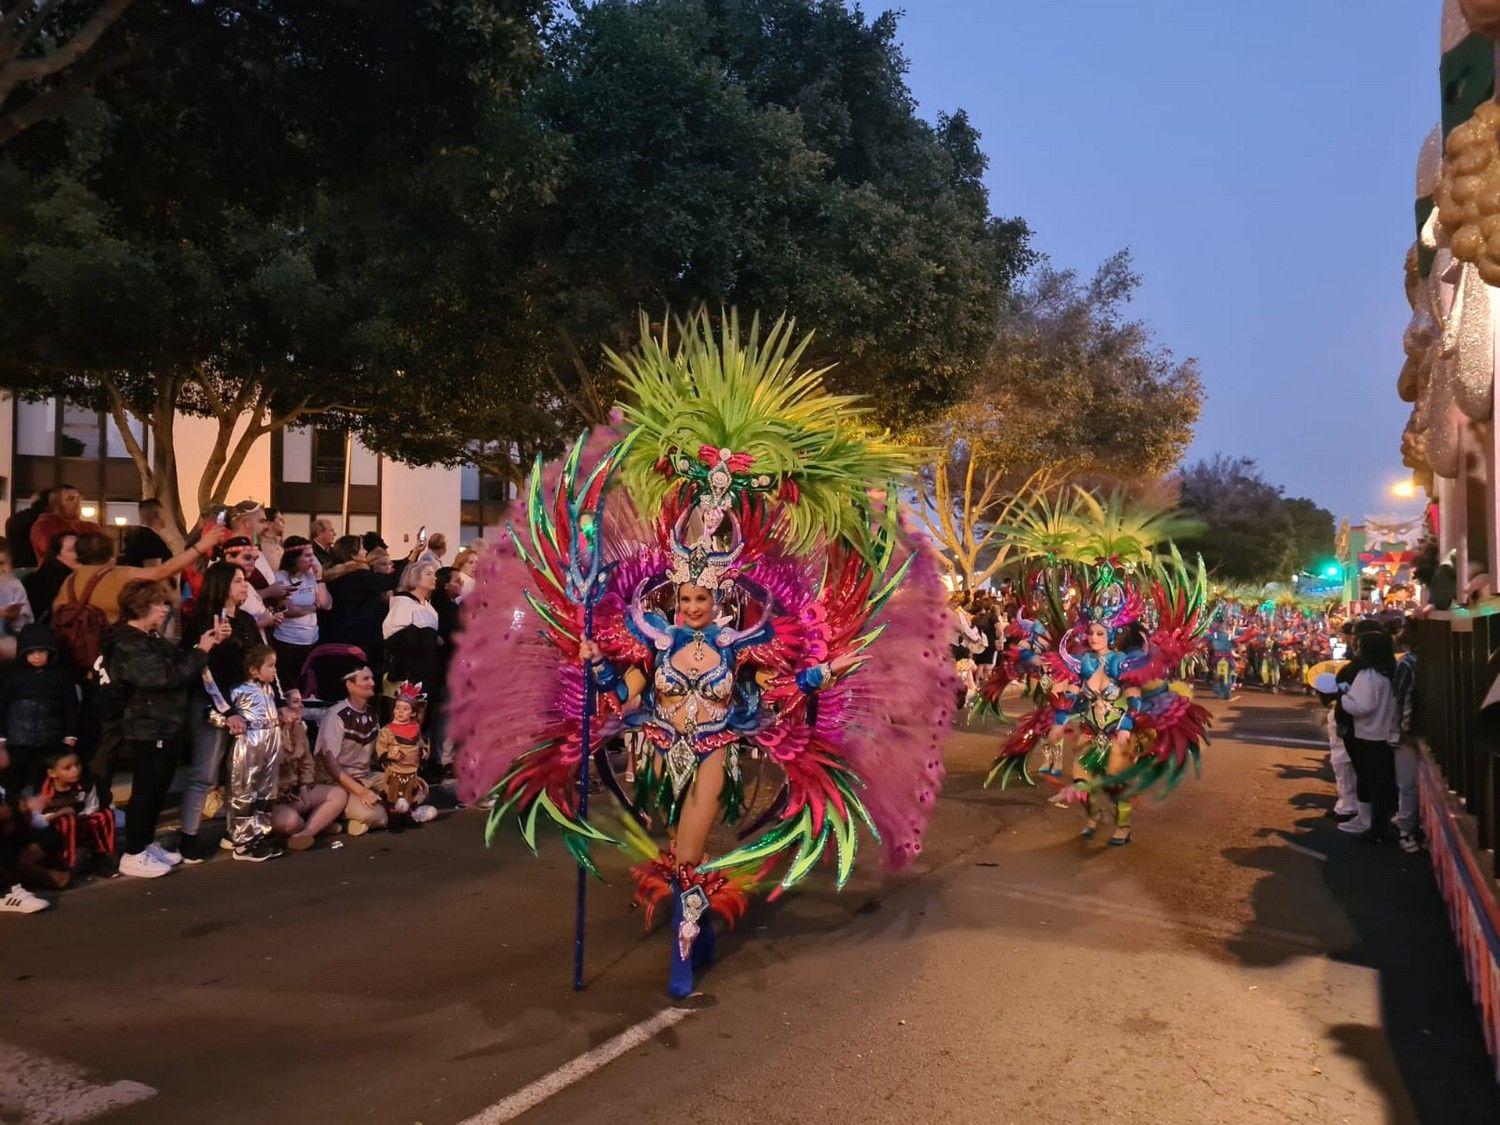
(695, 385)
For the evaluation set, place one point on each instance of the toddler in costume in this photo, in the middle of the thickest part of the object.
(254, 760)
(399, 750)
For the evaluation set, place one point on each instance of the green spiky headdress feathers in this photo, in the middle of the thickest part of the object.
(713, 401)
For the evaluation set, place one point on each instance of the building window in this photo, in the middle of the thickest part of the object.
(307, 478)
(327, 456)
(60, 443)
(483, 502)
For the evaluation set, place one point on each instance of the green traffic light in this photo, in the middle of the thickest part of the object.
(1332, 572)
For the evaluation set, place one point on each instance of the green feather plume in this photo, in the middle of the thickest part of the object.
(695, 385)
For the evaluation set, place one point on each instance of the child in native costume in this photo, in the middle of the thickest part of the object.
(727, 580)
(400, 750)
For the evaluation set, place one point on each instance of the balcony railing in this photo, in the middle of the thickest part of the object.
(1458, 660)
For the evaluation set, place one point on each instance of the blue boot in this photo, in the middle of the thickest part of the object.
(703, 945)
(689, 908)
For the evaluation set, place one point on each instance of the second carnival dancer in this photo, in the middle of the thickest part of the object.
(722, 566)
(1104, 679)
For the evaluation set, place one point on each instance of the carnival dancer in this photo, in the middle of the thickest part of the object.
(1138, 729)
(720, 573)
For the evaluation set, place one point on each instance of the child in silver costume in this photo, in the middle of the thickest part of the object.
(253, 761)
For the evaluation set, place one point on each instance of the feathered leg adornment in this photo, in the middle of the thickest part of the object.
(695, 897)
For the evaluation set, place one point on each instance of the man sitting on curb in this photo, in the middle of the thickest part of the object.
(345, 749)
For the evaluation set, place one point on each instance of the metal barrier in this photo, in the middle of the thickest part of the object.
(1457, 661)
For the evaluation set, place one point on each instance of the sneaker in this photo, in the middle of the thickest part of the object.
(22, 901)
(143, 865)
(191, 850)
(357, 828)
(1409, 843)
(253, 852)
(163, 855)
(423, 813)
(226, 843)
(1358, 826)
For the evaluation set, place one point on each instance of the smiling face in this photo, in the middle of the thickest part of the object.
(1098, 639)
(361, 686)
(695, 605)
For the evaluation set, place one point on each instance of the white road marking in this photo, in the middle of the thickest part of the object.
(1302, 848)
(580, 1068)
(38, 1090)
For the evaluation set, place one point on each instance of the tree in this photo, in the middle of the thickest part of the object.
(1312, 532)
(764, 154)
(1252, 533)
(971, 523)
(50, 54)
(281, 220)
(1073, 385)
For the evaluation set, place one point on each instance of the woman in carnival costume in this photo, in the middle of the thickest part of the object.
(1103, 673)
(720, 574)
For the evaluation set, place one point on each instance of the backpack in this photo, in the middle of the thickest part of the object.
(78, 625)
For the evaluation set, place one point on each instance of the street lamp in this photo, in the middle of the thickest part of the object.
(1404, 490)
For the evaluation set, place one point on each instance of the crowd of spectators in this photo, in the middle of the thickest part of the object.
(299, 681)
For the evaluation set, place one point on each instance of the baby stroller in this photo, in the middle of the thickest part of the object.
(322, 678)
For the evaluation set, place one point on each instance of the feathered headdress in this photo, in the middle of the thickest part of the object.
(723, 419)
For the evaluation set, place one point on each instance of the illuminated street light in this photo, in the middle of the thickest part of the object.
(1404, 490)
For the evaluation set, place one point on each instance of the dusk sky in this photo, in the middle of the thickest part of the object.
(1259, 161)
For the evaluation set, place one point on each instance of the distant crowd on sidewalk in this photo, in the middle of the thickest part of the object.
(300, 680)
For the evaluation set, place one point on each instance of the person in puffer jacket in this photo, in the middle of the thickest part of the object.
(38, 707)
(154, 676)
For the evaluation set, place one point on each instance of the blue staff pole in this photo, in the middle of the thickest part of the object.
(583, 794)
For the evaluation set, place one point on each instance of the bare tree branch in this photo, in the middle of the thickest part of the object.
(18, 71)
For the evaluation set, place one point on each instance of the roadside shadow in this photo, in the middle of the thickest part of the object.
(1375, 907)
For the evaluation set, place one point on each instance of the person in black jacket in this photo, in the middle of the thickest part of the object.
(38, 707)
(221, 599)
(18, 530)
(43, 583)
(154, 676)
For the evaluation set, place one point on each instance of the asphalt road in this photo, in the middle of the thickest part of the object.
(1240, 962)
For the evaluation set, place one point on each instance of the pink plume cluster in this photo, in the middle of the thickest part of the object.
(504, 682)
(899, 706)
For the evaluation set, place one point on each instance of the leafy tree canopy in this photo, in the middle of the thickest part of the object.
(1073, 384)
(1252, 533)
(273, 220)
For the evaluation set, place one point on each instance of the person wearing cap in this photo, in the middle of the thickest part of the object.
(344, 754)
(1346, 806)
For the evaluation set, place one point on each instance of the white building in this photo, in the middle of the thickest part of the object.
(300, 471)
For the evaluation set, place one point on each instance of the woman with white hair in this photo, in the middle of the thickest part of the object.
(410, 630)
